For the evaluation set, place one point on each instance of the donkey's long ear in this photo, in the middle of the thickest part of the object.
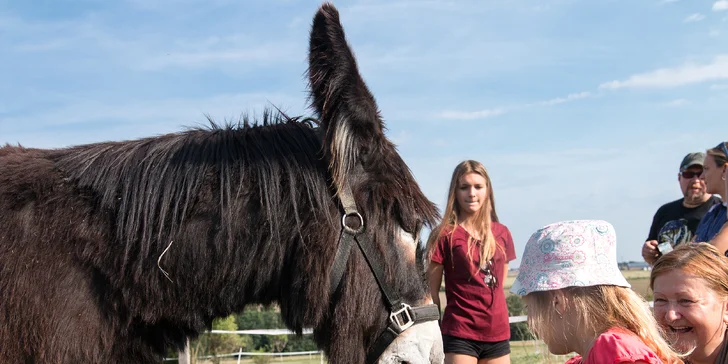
(346, 108)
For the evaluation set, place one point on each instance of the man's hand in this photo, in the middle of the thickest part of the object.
(649, 252)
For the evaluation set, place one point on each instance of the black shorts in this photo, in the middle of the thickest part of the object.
(477, 349)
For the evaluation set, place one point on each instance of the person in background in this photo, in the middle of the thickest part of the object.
(578, 300)
(473, 250)
(690, 286)
(676, 222)
(714, 173)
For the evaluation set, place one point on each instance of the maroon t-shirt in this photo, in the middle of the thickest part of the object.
(474, 311)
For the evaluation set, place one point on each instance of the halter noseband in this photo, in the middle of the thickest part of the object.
(401, 315)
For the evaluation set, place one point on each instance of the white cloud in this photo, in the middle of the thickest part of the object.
(721, 5)
(561, 100)
(714, 33)
(43, 46)
(389, 7)
(97, 37)
(693, 18)
(266, 53)
(171, 5)
(489, 113)
(672, 77)
(540, 7)
(676, 103)
(210, 51)
(472, 115)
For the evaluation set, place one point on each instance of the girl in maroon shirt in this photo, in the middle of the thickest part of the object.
(473, 250)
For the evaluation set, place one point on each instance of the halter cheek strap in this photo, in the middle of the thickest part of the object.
(401, 315)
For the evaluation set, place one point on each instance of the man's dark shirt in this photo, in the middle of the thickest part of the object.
(675, 210)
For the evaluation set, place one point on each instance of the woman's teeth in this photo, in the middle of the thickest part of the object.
(680, 329)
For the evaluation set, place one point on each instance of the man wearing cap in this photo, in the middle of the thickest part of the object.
(675, 222)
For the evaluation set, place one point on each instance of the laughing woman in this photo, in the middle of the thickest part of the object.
(690, 286)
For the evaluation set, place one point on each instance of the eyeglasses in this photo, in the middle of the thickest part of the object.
(691, 174)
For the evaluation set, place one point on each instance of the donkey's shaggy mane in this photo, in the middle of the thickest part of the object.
(278, 154)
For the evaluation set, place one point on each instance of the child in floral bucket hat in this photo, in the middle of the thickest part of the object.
(578, 301)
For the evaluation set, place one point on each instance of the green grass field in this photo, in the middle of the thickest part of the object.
(313, 359)
(522, 352)
(533, 352)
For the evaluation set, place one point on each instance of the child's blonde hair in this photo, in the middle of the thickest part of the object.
(598, 309)
(481, 221)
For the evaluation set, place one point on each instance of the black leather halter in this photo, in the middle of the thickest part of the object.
(401, 315)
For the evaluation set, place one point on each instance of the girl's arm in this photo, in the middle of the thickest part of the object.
(434, 277)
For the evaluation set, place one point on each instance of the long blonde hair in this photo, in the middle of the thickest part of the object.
(481, 221)
(598, 309)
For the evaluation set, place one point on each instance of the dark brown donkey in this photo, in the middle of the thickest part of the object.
(116, 252)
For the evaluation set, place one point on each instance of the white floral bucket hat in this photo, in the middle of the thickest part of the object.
(569, 254)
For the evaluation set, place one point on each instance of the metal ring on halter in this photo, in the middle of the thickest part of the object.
(349, 229)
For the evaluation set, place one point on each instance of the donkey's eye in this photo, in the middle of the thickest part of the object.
(364, 154)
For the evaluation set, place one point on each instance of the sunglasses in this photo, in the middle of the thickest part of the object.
(723, 149)
(691, 174)
(489, 278)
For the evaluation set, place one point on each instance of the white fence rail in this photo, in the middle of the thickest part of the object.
(242, 354)
(259, 332)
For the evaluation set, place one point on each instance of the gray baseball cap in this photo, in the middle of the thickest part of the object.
(692, 159)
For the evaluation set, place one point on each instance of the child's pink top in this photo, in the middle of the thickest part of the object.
(617, 346)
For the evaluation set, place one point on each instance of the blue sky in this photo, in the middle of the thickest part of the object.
(579, 109)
